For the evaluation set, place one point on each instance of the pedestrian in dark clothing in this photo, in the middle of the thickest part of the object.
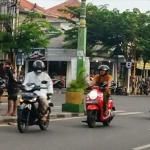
(12, 89)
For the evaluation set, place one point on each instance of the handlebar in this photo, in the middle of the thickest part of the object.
(22, 87)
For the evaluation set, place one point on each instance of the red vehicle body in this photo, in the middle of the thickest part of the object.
(95, 108)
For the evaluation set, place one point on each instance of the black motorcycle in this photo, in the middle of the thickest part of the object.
(113, 87)
(144, 88)
(28, 112)
(121, 90)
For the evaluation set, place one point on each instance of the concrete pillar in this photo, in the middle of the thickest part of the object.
(115, 72)
(68, 73)
(26, 66)
(48, 67)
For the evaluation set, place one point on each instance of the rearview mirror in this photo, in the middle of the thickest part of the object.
(44, 82)
(51, 104)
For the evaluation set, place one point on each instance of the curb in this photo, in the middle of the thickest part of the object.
(56, 92)
(138, 95)
(52, 116)
(59, 92)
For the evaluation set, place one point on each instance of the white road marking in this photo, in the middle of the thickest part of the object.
(57, 106)
(61, 119)
(119, 111)
(129, 113)
(142, 147)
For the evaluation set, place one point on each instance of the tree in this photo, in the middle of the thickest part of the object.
(107, 28)
(119, 33)
(72, 34)
(31, 33)
(144, 46)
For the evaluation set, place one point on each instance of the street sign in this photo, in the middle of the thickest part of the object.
(80, 54)
(19, 59)
(129, 64)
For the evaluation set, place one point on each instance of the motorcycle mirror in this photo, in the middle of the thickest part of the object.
(51, 104)
(44, 82)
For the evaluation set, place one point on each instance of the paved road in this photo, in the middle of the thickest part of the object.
(128, 131)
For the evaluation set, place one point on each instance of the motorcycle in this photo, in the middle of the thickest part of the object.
(57, 83)
(118, 90)
(95, 108)
(144, 88)
(113, 87)
(28, 112)
(121, 90)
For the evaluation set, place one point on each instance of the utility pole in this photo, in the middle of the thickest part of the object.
(82, 32)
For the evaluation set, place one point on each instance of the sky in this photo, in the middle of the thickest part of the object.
(143, 5)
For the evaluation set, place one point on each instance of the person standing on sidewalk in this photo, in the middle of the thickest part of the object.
(12, 89)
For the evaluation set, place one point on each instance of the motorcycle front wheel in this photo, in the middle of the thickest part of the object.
(91, 118)
(44, 125)
(23, 120)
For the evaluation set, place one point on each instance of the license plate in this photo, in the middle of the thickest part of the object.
(27, 94)
(90, 102)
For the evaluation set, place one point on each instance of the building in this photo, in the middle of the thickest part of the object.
(26, 7)
(58, 43)
(54, 14)
(56, 54)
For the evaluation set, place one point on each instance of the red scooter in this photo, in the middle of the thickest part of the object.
(95, 108)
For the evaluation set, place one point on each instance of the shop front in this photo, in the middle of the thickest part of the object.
(59, 63)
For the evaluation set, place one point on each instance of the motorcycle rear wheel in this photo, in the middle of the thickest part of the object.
(91, 118)
(145, 91)
(44, 125)
(22, 125)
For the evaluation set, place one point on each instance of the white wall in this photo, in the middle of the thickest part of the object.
(72, 70)
(68, 73)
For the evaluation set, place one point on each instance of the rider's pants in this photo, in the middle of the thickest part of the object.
(43, 105)
(106, 96)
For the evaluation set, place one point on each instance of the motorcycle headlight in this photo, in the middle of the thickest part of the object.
(33, 99)
(21, 100)
(93, 94)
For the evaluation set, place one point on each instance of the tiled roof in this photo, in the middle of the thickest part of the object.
(54, 10)
(28, 6)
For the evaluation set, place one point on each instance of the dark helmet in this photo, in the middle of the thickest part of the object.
(103, 67)
(38, 66)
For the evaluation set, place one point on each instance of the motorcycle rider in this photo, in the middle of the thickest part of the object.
(36, 77)
(99, 79)
(142, 82)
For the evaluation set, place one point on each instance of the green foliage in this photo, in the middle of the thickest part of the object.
(80, 82)
(31, 33)
(126, 33)
(72, 34)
